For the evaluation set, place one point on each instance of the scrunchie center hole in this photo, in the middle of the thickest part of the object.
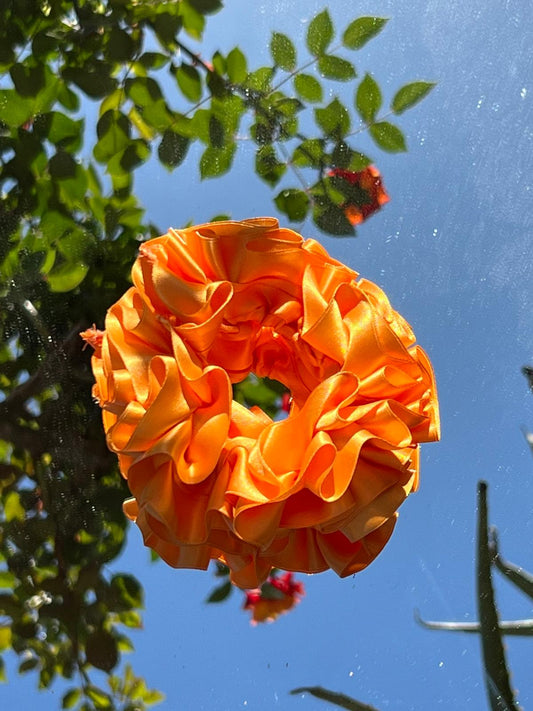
(270, 395)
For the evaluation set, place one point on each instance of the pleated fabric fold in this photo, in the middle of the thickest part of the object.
(211, 479)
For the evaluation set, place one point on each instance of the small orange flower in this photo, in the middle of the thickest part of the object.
(278, 595)
(369, 180)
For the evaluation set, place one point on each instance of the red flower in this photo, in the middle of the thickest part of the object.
(368, 180)
(278, 595)
(286, 402)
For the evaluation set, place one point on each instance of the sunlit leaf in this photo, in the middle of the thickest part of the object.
(388, 137)
(143, 91)
(334, 119)
(319, 33)
(410, 94)
(260, 79)
(189, 81)
(368, 99)
(67, 276)
(13, 509)
(216, 161)
(236, 66)
(360, 31)
(100, 699)
(5, 638)
(308, 87)
(335, 68)
(283, 51)
(71, 698)
(113, 130)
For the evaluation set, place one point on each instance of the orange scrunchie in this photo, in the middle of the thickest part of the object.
(211, 479)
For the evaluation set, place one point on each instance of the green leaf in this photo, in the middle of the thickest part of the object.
(221, 592)
(14, 110)
(62, 165)
(319, 33)
(360, 31)
(158, 116)
(113, 130)
(216, 132)
(143, 91)
(410, 94)
(332, 220)
(101, 650)
(293, 203)
(216, 161)
(309, 154)
(120, 46)
(95, 79)
(335, 68)
(67, 98)
(71, 698)
(59, 129)
(219, 63)
(283, 51)
(308, 88)
(127, 591)
(496, 672)
(166, 26)
(172, 149)
(267, 165)
(28, 80)
(193, 21)
(260, 79)
(334, 119)
(388, 137)
(189, 81)
(206, 7)
(335, 698)
(153, 60)
(368, 99)
(236, 66)
(67, 276)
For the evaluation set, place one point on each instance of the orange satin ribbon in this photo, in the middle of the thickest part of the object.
(211, 479)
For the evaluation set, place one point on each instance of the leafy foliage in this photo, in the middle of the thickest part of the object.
(70, 225)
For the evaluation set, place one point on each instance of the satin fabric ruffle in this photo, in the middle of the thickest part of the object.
(211, 479)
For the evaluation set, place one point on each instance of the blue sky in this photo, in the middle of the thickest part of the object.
(453, 252)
